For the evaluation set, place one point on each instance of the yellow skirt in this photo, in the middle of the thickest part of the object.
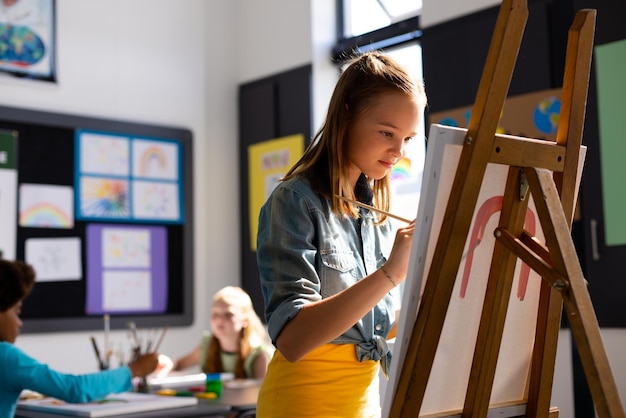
(327, 383)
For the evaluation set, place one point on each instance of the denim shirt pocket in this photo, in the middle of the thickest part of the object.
(339, 270)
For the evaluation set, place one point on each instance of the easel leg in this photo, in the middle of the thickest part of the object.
(496, 303)
(544, 352)
(578, 306)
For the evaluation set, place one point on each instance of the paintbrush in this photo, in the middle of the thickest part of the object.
(372, 208)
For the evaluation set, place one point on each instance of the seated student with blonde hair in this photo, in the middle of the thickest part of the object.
(237, 343)
(18, 371)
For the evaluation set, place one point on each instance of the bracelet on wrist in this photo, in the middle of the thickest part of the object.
(393, 282)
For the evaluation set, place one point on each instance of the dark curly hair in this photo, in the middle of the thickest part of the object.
(17, 279)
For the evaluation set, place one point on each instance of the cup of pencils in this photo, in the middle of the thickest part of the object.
(138, 347)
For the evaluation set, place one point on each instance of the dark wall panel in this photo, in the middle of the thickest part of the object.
(606, 271)
(454, 55)
(270, 108)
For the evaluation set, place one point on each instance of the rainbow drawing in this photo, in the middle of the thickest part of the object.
(402, 170)
(101, 197)
(45, 215)
(151, 158)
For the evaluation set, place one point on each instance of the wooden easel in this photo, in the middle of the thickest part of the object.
(549, 170)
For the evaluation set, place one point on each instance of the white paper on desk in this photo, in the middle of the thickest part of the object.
(177, 381)
(112, 405)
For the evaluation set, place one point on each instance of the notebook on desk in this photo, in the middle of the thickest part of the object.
(112, 405)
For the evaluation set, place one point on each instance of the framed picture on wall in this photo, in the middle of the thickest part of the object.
(27, 39)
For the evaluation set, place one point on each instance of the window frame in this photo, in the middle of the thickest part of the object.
(396, 34)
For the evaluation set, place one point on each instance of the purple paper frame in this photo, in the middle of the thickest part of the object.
(95, 269)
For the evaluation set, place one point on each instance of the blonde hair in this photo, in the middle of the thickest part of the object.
(251, 336)
(325, 161)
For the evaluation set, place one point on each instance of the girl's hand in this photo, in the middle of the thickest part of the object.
(398, 263)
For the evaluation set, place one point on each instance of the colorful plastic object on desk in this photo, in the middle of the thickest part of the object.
(214, 383)
(172, 392)
(206, 395)
(166, 392)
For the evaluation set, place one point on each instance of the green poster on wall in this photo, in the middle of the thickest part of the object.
(610, 62)
(8, 193)
(8, 149)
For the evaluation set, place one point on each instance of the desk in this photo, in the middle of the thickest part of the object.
(238, 397)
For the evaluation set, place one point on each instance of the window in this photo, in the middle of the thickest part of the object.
(364, 25)
(388, 25)
(363, 16)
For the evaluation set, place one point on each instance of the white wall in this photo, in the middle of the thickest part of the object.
(274, 36)
(434, 11)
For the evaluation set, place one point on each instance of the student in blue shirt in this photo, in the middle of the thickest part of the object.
(19, 371)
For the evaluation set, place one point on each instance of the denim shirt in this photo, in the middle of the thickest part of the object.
(306, 253)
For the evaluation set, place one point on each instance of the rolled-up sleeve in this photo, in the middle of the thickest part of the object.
(287, 257)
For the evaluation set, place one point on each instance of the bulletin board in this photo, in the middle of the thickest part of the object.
(102, 209)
